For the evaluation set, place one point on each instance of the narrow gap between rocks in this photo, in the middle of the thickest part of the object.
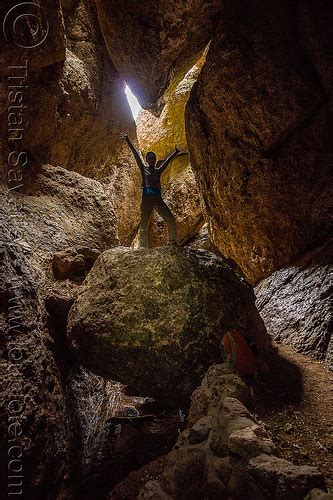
(133, 102)
(162, 134)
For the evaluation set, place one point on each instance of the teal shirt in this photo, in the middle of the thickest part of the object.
(150, 190)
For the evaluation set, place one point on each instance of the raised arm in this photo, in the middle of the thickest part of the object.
(136, 155)
(168, 159)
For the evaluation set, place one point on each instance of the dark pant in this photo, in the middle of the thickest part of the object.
(148, 204)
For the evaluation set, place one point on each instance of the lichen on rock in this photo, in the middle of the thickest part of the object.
(154, 319)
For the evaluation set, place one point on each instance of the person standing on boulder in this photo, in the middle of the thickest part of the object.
(151, 172)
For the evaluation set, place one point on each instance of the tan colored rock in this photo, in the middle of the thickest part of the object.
(258, 128)
(161, 135)
(33, 32)
(75, 101)
(249, 441)
(94, 113)
(200, 430)
(184, 471)
(29, 117)
(73, 263)
(280, 479)
(123, 188)
(234, 421)
(151, 42)
(98, 111)
(61, 209)
(153, 491)
(230, 457)
(75, 107)
(59, 300)
(219, 382)
(318, 494)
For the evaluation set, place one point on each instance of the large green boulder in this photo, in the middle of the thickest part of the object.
(153, 319)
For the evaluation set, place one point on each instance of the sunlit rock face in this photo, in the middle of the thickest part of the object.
(259, 133)
(96, 111)
(151, 42)
(73, 94)
(161, 135)
(75, 106)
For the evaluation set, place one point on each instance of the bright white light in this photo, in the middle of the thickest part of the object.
(133, 102)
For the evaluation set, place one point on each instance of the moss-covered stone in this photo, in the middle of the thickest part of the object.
(153, 319)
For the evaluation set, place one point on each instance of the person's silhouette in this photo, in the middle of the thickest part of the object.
(151, 192)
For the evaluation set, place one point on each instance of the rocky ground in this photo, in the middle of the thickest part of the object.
(300, 431)
(303, 432)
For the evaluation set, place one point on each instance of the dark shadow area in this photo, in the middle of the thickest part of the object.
(133, 444)
(280, 384)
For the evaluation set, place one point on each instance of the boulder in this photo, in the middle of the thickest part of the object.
(73, 263)
(153, 491)
(153, 319)
(130, 487)
(183, 476)
(189, 473)
(258, 128)
(277, 478)
(219, 382)
(318, 494)
(149, 42)
(200, 430)
(238, 432)
(249, 441)
(60, 209)
(295, 303)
